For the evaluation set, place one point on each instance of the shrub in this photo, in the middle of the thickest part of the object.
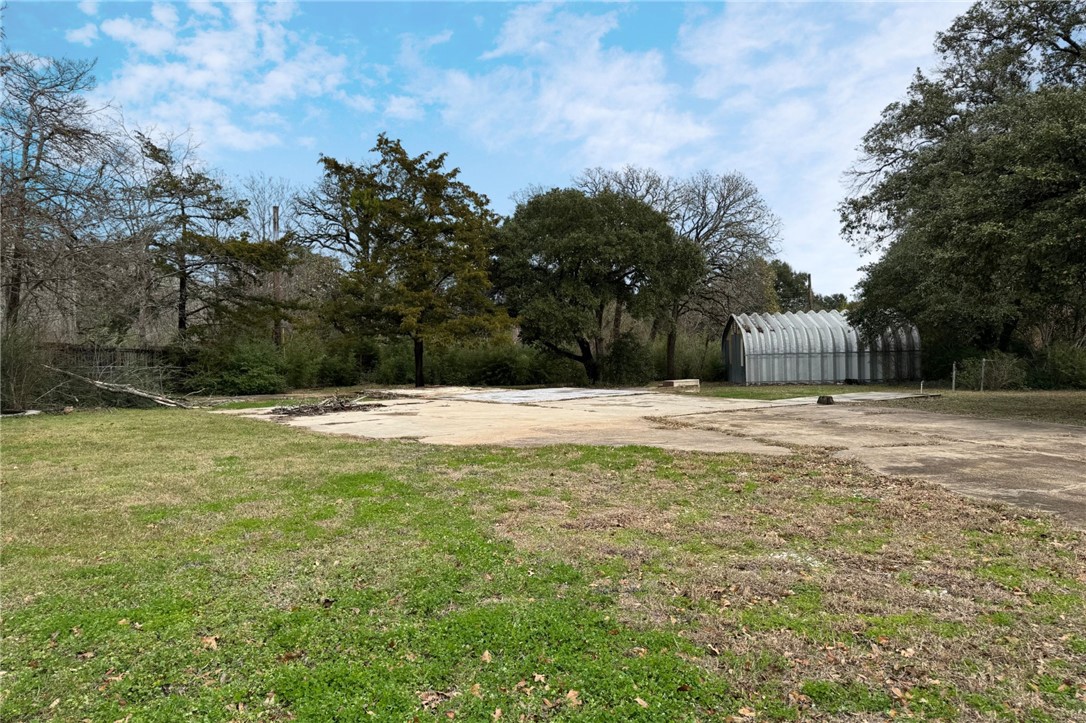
(501, 363)
(396, 364)
(302, 358)
(23, 377)
(628, 362)
(1060, 366)
(1001, 371)
(242, 367)
(696, 357)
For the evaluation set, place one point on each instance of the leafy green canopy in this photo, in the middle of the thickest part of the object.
(194, 236)
(564, 257)
(416, 240)
(975, 186)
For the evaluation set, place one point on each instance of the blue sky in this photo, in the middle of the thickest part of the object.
(517, 94)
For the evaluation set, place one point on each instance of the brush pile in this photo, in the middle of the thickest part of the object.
(331, 404)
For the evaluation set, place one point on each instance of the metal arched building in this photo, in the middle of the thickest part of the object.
(814, 347)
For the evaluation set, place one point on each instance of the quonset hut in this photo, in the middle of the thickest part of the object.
(815, 347)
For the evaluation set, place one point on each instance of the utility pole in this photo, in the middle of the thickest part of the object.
(810, 294)
(277, 286)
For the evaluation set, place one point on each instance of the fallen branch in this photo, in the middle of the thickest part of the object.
(125, 389)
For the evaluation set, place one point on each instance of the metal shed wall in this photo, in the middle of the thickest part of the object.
(815, 347)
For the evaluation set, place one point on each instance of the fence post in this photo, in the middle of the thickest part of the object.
(982, 363)
(953, 376)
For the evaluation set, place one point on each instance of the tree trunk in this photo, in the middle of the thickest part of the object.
(1006, 334)
(13, 299)
(419, 380)
(597, 343)
(590, 363)
(616, 330)
(672, 342)
(182, 301)
(655, 330)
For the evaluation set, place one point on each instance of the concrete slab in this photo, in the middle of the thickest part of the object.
(1032, 464)
(536, 396)
(457, 421)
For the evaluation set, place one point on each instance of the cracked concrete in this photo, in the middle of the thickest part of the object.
(1032, 464)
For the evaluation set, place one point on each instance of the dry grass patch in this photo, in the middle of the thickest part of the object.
(856, 591)
(1061, 407)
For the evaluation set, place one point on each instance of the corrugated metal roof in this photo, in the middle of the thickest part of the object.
(815, 347)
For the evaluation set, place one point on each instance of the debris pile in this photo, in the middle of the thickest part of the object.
(331, 404)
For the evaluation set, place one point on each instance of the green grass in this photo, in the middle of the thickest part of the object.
(164, 564)
(1062, 407)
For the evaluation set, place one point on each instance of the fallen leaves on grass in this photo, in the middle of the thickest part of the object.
(430, 699)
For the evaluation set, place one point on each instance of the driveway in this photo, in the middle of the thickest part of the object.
(1032, 464)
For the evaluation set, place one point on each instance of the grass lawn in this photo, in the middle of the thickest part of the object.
(169, 564)
(1063, 407)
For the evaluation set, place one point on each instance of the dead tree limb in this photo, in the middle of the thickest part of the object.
(125, 389)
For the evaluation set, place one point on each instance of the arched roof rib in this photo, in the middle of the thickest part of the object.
(820, 347)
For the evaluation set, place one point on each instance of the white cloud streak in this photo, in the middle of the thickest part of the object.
(799, 92)
(223, 71)
(85, 35)
(552, 78)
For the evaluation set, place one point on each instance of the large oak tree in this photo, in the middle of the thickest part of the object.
(565, 256)
(723, 215)
(974, 186)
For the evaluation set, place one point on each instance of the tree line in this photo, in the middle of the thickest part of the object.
(119, 237)
(970, 190)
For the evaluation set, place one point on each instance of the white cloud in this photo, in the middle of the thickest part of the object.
(227, 76)
(360, 103)
(204, 7)
(799, 92)
(88, 7)
(401, 107)
(551, 77)
(165, 15)
(85, 35)
(140, 34)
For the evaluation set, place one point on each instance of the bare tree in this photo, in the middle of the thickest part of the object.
(60, 168)
(272, 220)
(73, 227)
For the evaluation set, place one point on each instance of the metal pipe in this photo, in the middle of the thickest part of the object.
(983, 362)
